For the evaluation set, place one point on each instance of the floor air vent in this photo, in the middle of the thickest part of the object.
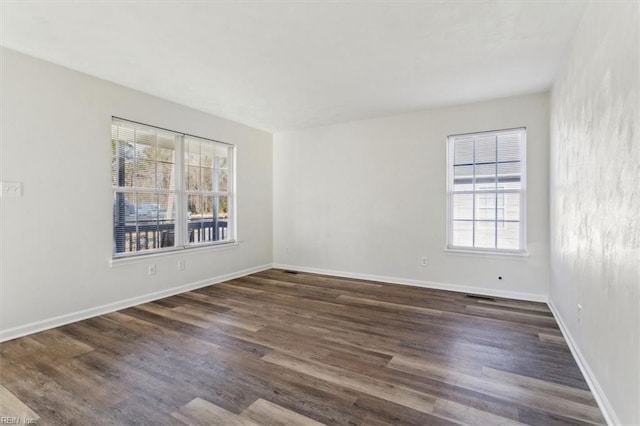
(290, 272)
(481, 297)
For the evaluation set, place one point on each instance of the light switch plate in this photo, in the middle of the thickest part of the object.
(11, 190)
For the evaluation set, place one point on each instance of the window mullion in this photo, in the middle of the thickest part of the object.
(473, 202)
(215, 198)
(135, 158)
(523, 189)
(181, 220)
(231, 193)
(523, 231)
(495, 217)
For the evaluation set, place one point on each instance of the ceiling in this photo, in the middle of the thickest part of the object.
(284, 65)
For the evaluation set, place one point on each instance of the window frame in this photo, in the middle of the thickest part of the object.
(450, 247)
(180, 192)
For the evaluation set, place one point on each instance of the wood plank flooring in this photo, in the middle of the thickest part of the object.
(278, 348)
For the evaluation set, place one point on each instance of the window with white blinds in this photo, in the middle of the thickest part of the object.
(486, 191)
(170, 190)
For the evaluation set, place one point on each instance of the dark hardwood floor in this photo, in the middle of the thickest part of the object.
(282, 348)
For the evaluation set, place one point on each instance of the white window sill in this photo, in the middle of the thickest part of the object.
(178, 252)
(521, 256)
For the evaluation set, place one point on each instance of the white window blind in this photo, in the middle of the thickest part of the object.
(486, 191)
(170, 190)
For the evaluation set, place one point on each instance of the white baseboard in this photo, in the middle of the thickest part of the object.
(532, 297)
(58, 321)
(599, 395)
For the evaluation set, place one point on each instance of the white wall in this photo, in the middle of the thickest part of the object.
(368, 198)
(595, 203)
(56, 239)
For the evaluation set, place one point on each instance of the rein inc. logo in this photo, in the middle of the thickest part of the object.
(8, 420)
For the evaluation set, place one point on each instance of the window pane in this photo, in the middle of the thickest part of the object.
(509, 175)
(462, 233)
(511, 206)
(192, 152)
(207, 179)
(463, 150)
(114, 155)
(509, 235)
(122, 163)
(129, 173)
(145, 144)
(126, 136)
(123, 207)
(485, 149)
(462, 206)
(485, 234)
(117, 164)
(166, 207)
(463, 178)
(221, 181)
(166, 148)
(145, 174)
(223, 214)
(165, 169)
(123, 221)
(147, 208)
(192, 178)
(200, 219)
(194, 207)
(509, 147)
(221, 157)
(510, 185)
(166, 176)
(208, 207)
(223, 207)
(485, 206)
(140, 221)
(509, 170)
(130, 207)
(485, 176)
(208, 153)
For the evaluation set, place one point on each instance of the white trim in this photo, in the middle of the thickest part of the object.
(180, 202)
(601, 398)
(58, 321)
(144, 257)
(231, 194)
(509, 255)
(531, 297)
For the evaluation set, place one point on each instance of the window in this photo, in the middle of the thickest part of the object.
(486, 191)
(170, 190)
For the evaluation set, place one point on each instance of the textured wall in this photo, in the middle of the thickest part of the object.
(595, 201)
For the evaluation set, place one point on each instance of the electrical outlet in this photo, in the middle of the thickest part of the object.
(180, 265)
(152, 269)
(424, 261)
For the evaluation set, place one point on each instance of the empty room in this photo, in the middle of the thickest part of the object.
(320, 212)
